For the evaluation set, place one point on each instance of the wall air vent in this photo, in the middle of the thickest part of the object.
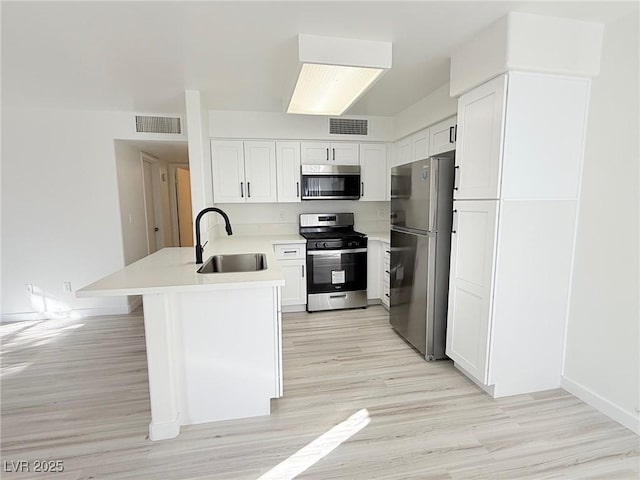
(151, 124)
(348, 126)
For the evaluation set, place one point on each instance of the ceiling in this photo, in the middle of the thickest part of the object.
(141, 56)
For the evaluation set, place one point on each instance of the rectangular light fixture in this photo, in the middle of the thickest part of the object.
(335, 72)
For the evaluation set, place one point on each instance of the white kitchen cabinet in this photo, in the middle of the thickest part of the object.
(443, 136)
(243, 172)
(288, 171)
(479, 150)
(373, 172)
(315, 153)
(292, 261)
(403, 152)
(470, 284)
(420, 141)
(227, 162)
(373, 269)
(385, 255)
(390, 153)
(520, 157)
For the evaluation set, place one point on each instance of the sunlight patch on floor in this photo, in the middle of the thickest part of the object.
(319, 448)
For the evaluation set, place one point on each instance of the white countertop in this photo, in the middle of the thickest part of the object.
(175, 270)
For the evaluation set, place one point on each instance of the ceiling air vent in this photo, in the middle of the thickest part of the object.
(150, 124)
(348, 126)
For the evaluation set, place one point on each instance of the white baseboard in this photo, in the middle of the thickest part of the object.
(134, 303)
(164, 430)
(293, 308)
(611, 410)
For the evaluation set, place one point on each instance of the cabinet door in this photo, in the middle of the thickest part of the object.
(473, 244)
(443, 136)
(373, 172)
(390, 153)
(260, 171)
(314, 153)
(294, 291)
(373, 269)
(227, 165)
(385, 256)
(479, 149)
(344, 153)
(404, 152)
(288, 171)
(420, 144)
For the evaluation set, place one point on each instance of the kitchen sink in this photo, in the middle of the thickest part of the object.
(244, 262)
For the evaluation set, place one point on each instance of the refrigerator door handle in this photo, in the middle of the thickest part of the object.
(431, 297)
(433, 195)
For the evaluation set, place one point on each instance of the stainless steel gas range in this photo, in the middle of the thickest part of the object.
(336, 261)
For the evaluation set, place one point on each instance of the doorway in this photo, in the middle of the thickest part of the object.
(150, 201)
(183, 207)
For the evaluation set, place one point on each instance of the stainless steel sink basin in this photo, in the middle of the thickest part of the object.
(244, 262)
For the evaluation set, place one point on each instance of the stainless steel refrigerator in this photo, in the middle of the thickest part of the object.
(421, 214)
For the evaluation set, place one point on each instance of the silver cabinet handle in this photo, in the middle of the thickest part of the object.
(327, 154)
(290, 251)
(248, 189)
(334, 154)
(302, 270)
(297, 189)
(338, 296)
(241, 190)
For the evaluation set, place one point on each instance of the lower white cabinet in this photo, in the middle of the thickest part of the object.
(373, 270)
(292, 261)
(470, 285)
(385, 255)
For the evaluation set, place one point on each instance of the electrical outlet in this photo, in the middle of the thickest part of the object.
(66, 287)
(29, 287)
(283, 216)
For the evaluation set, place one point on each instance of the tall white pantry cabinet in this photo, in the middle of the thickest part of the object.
(518, 168)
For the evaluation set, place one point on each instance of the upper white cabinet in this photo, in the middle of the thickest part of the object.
(403, 152)
(243, 171)
(479, 149)
(288, 171)
(227, 163)
(420, 141)
(373, 172)
(443, 136)
(331, 153)
(519, 154)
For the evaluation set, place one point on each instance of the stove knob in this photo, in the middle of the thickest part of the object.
(324, 244)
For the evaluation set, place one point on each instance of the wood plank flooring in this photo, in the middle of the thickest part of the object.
(76, 391)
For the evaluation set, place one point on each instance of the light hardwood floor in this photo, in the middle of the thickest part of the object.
(76, 391)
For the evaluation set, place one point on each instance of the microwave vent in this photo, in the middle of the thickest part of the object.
(151, 124)
(348, 126)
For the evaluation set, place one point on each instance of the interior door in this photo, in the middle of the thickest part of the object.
(185, 215)
(150, 211)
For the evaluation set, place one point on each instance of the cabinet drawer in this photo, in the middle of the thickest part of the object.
(288, 251)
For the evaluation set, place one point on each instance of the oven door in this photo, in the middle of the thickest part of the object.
(336, 270)
(330, 182)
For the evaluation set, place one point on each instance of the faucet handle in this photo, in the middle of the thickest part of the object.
(204, 244)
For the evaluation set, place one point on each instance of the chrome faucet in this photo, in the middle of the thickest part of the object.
(227, 227)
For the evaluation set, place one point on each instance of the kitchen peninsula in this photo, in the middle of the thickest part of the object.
(213, 341)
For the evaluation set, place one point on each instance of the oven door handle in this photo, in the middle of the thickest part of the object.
(336, 252)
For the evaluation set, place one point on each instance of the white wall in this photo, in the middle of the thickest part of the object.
(60, 209)
(282, 218)
(602, 364)
(231, 124)
(436, 106)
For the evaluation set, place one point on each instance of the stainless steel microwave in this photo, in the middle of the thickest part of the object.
(330, 182)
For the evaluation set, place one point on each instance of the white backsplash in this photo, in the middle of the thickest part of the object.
(282, 218)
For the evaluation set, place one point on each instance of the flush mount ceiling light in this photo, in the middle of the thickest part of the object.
(334, 72)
